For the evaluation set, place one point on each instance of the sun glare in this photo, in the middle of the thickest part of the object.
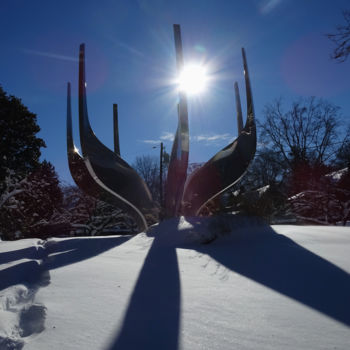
(193, 79)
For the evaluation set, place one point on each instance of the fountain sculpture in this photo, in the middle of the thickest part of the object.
(103, 174)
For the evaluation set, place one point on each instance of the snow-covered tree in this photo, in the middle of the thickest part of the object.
(327, 202)
(28, 204)
(305, 176)
(343, 195)
(317, 207)
(266, 202)
(12, 186)
(89, 216)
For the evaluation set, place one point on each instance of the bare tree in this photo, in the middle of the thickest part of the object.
(148, 168)
(309, 132)
(342, 39)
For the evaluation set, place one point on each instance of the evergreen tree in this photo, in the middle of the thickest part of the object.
(19, 146)
(45, 196)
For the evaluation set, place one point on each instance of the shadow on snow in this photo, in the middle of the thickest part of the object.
(284, 266)
(152, 319)
(33, 273)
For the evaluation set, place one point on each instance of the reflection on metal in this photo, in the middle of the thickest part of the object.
(76, 163)
(238, 109)
(102, 173)
(87, 180)
(227, 166)
(177, 171)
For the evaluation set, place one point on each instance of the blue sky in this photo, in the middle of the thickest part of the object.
(131, 61)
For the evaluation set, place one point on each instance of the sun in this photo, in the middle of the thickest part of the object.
(193, 79)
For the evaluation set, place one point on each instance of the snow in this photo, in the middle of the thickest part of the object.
(337, 175)
(189, 283)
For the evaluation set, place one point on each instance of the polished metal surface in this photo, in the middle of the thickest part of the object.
(178, 164)
(227, 166)
(76, 163)
(238, 109)
(87, 180)
(116, 129)
(108, 168)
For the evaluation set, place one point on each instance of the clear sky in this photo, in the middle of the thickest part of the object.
(130, 60)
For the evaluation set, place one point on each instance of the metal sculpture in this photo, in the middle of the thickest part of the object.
(116, 130)
(227, 166)
(178, 164)
(114, 180)
(103, 174)
(76, 163)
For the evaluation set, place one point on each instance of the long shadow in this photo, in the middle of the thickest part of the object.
(30, 273)
(152, 319)
(68, 251)
(279, 263)
(71, 251)
(33, 252)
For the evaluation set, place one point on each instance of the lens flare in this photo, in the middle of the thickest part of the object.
(193, 79)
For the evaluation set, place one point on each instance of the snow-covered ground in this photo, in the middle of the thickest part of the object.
(253, 287)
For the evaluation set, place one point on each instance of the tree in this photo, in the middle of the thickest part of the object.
(309, 133)
(89, 216)
(343, 196)
(19, 146)
(342, 39)
(327, 202)
(343, 155)
(46, 195)
(266, 202)
(148, 168)
(29, 204)
(267, 168)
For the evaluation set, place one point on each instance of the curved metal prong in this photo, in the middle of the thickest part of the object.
(109, 170)
(76, 164)
(227, 166)
(116, 129)
(85, 178)
(248, 89)
(238, 109)
(178, 164)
